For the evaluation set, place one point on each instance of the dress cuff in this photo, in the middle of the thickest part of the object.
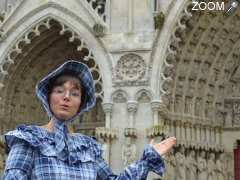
(153, 160)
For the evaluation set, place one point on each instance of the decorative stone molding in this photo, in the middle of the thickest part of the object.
(12, 59)
(202, 66)
(157, 117)
(129, 151)
(9, 10)
(193, 163)
(159, 19)
(99, 30)
(132, 106)
(106, 133)
(130, 70)
(130, 132)
(194, 132)
(120, 96)
(98, 7)
(143, 96)
(107, 108)
(232, 112)
(155, 131)
(155, 105)
(132, 109)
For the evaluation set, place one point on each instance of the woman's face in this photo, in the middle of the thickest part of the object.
(65, 100)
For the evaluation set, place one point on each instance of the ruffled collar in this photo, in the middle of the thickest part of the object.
(70, 148)
(63, 144)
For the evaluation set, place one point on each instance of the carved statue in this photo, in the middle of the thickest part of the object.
(209, 110)
(104, 148)
(230, 167)
(220, 169)
(198, 106)
(178, 100)
(181, 164)
(211, 167)
(170, 166)
(228, 115)
(188, 105)
(191, 166)
(128, 152)
(202, 166)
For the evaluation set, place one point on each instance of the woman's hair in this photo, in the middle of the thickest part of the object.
(63, 78)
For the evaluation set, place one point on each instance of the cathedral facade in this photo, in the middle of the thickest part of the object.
(160, 69)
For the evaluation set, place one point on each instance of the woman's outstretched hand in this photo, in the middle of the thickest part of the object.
(164, 146)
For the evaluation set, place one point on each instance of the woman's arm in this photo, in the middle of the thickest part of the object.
(19, 162)
(150, 161)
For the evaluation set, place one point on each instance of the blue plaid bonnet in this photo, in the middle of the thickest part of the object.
(82, 72)
(64, 148)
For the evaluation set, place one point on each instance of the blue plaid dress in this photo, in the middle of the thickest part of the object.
(33, 155)
(37, 154)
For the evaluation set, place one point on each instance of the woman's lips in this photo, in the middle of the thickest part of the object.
(64, 107)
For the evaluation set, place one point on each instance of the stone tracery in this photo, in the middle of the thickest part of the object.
(17, 96)
(198, 69)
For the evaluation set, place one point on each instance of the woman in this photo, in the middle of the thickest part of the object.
(51, 152)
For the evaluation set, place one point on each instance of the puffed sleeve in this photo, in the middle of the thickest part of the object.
(150, 161)
(19, 162)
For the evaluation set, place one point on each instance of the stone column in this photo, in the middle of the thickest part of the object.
(208, 135)
(107, 108)
(193, 134)
(108, 12)
(182, 132)
(188, 132)
(130, 15)
(132, 109)
(218, 136)
(168, 128)
(178, 135)
(212, 140)
(155, 105)
(215, 135)
(198, 133)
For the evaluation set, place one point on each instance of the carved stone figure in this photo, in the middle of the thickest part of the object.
(181, 164)
(104, 144)
(209, 109)
(180, 85)
(229, 114)
(230, 167)
(202, 166)
(201, 84)
(177, 106)
(188, 105)
(236, 113)
(220, 169)
(191, 166)
(170, 166)
(128, 152)
(198, 106)
(211, 167)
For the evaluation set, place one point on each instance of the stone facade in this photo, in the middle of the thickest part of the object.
(160, 69)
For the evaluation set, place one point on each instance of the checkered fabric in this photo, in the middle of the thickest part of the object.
(33, 156)
(35, 153)
(82, 72)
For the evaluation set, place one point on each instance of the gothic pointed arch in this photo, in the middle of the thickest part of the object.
(35, 51)
(199, 75)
